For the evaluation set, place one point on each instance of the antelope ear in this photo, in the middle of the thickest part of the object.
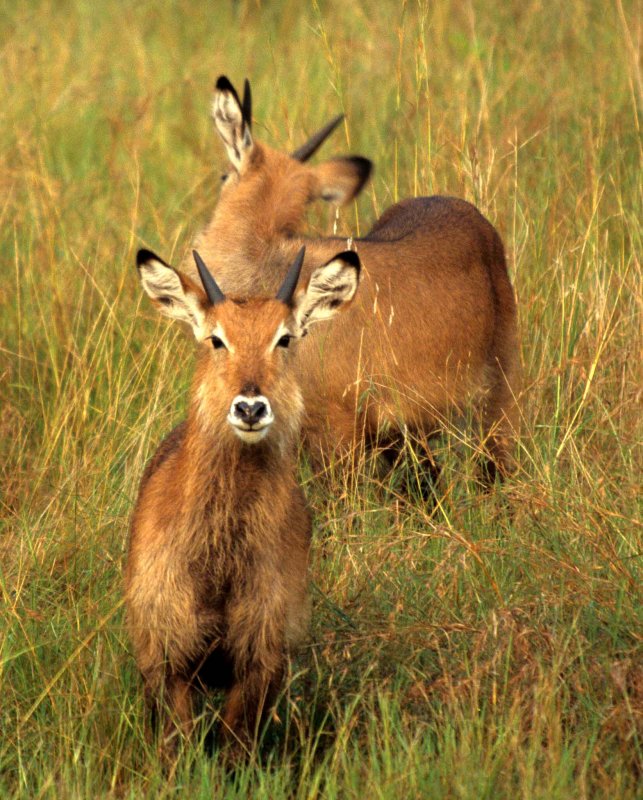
(230, 121)
(330, 289)
(175, 295)
(342, 179)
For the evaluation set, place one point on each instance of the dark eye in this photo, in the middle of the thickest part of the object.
(284, 341)
(217, 343)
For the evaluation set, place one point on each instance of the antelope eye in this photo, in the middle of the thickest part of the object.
(284, 341)
(217, 343)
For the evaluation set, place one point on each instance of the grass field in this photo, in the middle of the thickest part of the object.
(486, 647)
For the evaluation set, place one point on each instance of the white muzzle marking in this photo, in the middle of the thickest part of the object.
(247, 428)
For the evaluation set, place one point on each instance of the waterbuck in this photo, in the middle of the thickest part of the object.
(433, 331)
(215, 581)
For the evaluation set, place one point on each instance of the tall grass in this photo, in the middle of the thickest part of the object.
(481, 646)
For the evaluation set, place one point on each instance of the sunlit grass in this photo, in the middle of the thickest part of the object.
(473, 646)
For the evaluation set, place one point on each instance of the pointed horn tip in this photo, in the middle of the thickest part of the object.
(309, 149)
(212, 290)
(200, 263)
(335, 122)
(287, 290)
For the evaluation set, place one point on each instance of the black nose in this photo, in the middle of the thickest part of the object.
(250, 412)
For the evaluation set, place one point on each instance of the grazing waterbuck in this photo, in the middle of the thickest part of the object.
(433, 331)
(216, 573)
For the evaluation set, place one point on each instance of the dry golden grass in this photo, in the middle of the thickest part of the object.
(484, 646)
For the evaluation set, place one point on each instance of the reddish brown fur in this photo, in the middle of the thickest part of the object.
(216, 577)
(433, 329)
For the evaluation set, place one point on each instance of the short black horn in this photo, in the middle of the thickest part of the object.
(285, 294)
(246, 106)
(304, 152)
(215, 295)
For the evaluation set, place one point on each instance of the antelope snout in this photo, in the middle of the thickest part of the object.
(250, 417)
(250, 412)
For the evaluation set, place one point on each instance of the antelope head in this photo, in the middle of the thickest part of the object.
(245, 381)
(273, 184)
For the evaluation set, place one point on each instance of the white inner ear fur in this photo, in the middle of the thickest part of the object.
(164, 286)
(330, 287)
(229, 123)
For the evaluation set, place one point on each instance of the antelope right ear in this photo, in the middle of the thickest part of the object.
(330, 289)
(340, 180)
(175, 295)
(233, 121)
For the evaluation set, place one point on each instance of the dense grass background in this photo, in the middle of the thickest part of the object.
(485, 647)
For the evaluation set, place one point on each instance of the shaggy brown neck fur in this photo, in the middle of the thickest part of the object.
(230, 486)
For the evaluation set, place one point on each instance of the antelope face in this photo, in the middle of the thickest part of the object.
(245, 380)
(250, 365)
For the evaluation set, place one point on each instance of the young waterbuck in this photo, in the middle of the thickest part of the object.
(215, 582)
(433, 331)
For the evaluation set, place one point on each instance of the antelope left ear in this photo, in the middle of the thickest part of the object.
(330, 289)
(175, 295)
(233, 120)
